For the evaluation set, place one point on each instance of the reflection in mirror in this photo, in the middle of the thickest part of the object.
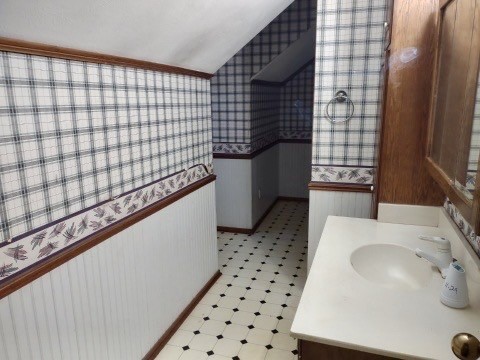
(474, 153)
(444, 70)
(454, 70)
(454, 130)
(469, 142)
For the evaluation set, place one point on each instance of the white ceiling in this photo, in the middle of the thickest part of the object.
(195, 34)
(290, 60)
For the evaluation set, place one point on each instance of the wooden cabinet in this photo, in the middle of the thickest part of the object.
(309, 350)
(453, 141)
(402, 177)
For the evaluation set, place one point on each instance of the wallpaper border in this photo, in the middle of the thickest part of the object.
(299, 136)
(75, 134)
(343, 174)
(37, 246)
(232, 148)
(231, 151)
(463, 225)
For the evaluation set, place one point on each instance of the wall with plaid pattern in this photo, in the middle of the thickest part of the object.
(265, 114)
(232, 112)
(296, 105)
(349, 56)
(73, 134)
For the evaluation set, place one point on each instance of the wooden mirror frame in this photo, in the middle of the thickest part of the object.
(468, 208)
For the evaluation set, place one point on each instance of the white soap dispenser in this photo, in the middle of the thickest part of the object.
(454, 291)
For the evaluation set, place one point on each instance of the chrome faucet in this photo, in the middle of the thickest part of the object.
(442, 258)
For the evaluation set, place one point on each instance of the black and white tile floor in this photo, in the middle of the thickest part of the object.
(248, 312)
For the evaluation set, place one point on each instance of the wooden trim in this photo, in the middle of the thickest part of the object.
(381, 111)
(310, 350)
(317, 185)
(234, 230)
(259, 151)
(17, 281)
(380, 126)
(436, 65)
(158, 346)
(257, 224)
(438, 175)
(289, 198)
(254, 228)
(32, 48)
(463, 205)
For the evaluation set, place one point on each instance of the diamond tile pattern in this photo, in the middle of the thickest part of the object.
(262, 280)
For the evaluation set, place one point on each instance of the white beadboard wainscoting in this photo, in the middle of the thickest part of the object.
(282, 170)
(338, 203)
(294, 169)
(233, 189)
(237, 188)
(116, 300)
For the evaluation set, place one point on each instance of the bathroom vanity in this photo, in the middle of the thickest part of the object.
(368, 296)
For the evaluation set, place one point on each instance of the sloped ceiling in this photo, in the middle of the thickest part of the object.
(195, 34)
(290, 60)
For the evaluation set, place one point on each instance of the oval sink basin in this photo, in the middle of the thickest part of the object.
(391, 266)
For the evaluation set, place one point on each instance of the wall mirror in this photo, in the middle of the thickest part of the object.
(454, 129)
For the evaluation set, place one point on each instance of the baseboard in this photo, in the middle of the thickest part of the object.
(234, 230)
(253, 229)
(158, 346)
(257, 224)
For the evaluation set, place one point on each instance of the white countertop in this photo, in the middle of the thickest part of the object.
(339, 307)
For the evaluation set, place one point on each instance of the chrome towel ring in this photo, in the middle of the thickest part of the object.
(340, 97)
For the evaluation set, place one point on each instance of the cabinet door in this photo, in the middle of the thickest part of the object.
(454, 131)
(453, 72)
(309, 350)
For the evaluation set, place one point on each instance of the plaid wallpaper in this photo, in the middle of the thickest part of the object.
(74, 134)
(265, 114)
(349, 56)
(296, 102)
(231, 91)
(231, 100)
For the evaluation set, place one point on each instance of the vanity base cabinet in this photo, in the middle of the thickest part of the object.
(309, 350)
